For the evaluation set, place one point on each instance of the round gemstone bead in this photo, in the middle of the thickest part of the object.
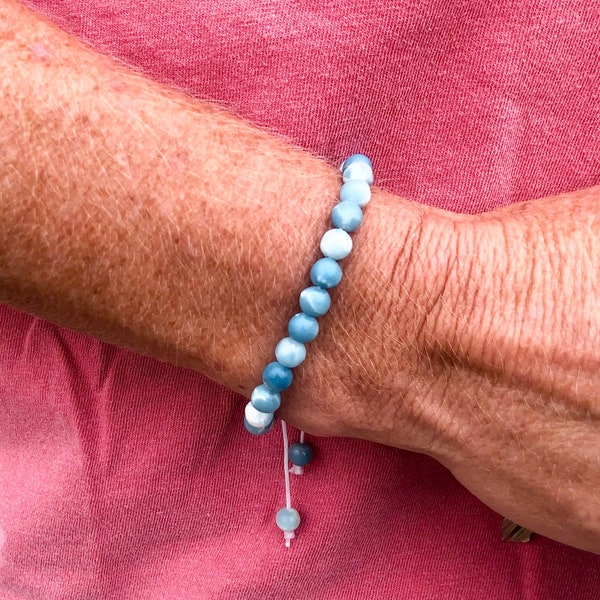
(336, 244)
(347, 215)
(287, 519)
(265, 400)
(326, 273)
(256, 418)
(356, 158)
(257, 430)
(290, 353)
(314, 301)
(277, 377)
(356, 190)
(300, 454)
(358, 170)
(303, 328)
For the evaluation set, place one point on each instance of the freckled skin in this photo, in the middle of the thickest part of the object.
(40, 50)
(150, 220)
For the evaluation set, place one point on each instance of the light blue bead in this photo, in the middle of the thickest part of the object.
(314, 301)
(290, 353)
(287, 519)
(326, 273)
(257, 430)
(347, 215)
(264, 400)
(300, 454)
(357, 191)
(358, 170)
(303, 328)
(356, 158)
(277, 377)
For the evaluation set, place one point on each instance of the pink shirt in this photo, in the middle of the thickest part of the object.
(125, 478)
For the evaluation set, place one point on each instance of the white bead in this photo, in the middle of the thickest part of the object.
(336, 244)
(256, 418)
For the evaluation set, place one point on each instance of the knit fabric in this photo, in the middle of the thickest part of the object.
(126, 478)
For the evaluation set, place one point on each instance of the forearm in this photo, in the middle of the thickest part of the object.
(150, 220)
(135, 214)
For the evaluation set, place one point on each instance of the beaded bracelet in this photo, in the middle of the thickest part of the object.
(303, 327)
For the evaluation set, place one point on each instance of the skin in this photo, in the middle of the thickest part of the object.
(138, 215)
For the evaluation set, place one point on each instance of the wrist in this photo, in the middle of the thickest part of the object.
(368, 374)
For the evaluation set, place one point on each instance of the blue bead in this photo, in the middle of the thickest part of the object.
(356, 158)
(256, 430)
(303, 328)
(300, 454)
(277, 377)
(314, 301)
(264, 400)
(287, 519)
(290, 353)
(347, 215)
(357, 191)
(326, 273)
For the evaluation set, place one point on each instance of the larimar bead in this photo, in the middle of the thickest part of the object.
(257, 430)
(289, 352)
(314, 301)
(300, 454)
(336, 244)
(347, 215)
(358, 170)
(265, 400)
(356, 158)
(326, 273)
(303, 328)
(277, 377)
(256, 418)
(356, 190)
(287, 519)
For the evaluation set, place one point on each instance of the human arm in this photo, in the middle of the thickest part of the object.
(156, 222)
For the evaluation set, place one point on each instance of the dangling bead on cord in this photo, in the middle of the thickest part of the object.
(287, 518)
(300, 454)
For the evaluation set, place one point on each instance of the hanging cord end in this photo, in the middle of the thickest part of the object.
(296, 470)
(288, 536)
(287, 520)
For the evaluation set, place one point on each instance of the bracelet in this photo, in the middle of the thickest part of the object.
(303, 327)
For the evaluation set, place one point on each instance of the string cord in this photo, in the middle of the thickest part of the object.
(286, 462)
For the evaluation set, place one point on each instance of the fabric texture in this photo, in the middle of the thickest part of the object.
(122, 477)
